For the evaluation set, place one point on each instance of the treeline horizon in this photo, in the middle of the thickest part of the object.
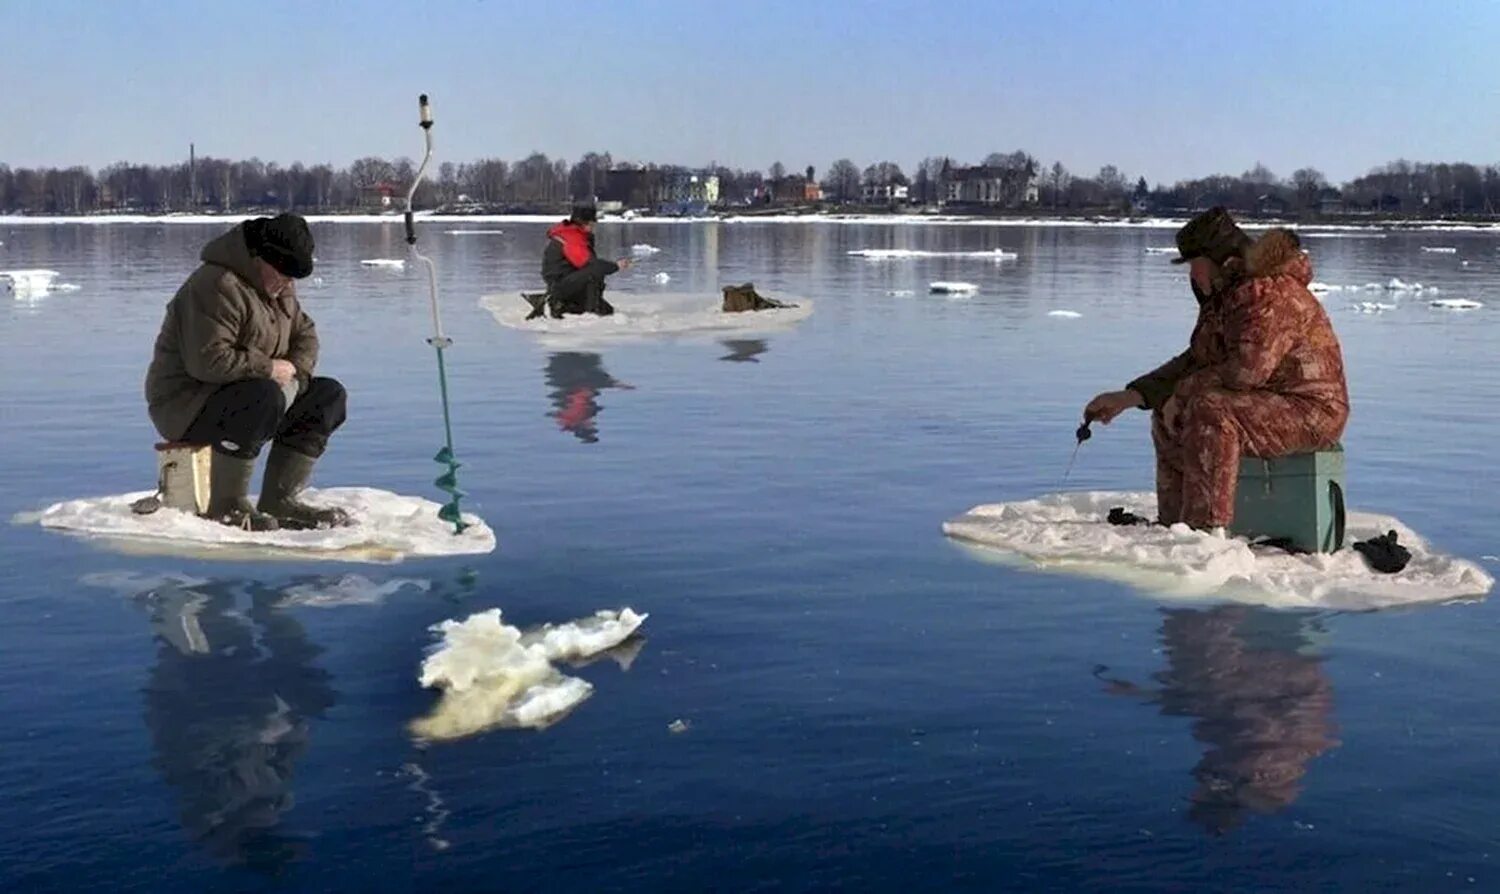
(538, 182)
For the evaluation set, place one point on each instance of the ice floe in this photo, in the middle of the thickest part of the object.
(642, 249)
(1065, 314)
(1457, 303)
(385, 263)
(905, 254)
(662, 278)
(474, 232)
(1440, 249)
(1372, 307)
(952, 288)
(646, 315)
(1161, 250)
(24, 284)
(491, 674)
(390, 527)
(1068, 533)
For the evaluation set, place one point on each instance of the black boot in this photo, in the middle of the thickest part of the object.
(229, 494)
(538, 302)
(287, 472)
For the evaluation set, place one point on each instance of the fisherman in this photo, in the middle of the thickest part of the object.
(573, 272)
(1263, 374)
(233, 367)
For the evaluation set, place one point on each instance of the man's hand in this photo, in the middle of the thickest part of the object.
(625, 263)
(1104, 408)
(282, 372)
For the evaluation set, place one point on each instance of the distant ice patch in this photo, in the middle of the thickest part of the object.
(1065, 314)
(904, 254)
(1161, 250)
(1457, 304)
(24, 284)
(646, 315)
(474, 232)
(662, 278)
(901, 293)
(385, 263)
(1372, 307)
(642, 249)
(493, 675)
(1440, 249)
(952, 288)
(390, 527)
(1068, 533)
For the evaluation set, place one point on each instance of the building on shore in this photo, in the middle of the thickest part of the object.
(989, 186)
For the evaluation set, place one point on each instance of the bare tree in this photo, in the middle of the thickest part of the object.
(777, 172)
(842, 181)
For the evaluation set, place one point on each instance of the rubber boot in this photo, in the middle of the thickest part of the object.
(287, 472)
(538, 302)
(229, 494)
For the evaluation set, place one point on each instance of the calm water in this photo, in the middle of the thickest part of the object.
(869, 707)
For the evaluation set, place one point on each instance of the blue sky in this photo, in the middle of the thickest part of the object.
(1163, 89)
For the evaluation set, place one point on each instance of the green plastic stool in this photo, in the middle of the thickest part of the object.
(1297, 499)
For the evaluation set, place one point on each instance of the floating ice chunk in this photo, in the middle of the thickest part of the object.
(1399, 285)
(641, 250)
(1065, 314)
(385, 263)
(1457, 303)
(903, 254)
(646, 315)
(67, 287)
(1069, 533)
(493, 675)
(1323, 288)
(952, 288)
(662, 278)
(1372, 307)
(28, 283)
(474, 232)
(389, 528)
(1161, 250)
(1440, 249)
(901, 293)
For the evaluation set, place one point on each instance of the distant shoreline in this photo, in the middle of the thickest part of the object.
(843, 218)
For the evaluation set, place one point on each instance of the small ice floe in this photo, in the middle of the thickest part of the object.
(952, 288)
(905, 254)
(474, 232)
(1161, 250)
(493, 675)
(647, 315)
(1397, 284)
(1372, 307)
(1065, 314)
(642, 249)
(1323, 288)
(1457, 303)
(901, 293)
(678, 726)
(1069, 533)
(1440, 249)
(28, 283)
(662, 278)
(385, 263)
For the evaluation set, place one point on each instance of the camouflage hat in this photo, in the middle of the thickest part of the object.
(1213, 235)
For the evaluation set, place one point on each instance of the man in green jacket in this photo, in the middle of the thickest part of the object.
(233, 367)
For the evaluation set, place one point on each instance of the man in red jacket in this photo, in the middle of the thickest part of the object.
(573, 272)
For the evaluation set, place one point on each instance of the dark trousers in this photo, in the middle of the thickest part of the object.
(242, 416)
(580, 292)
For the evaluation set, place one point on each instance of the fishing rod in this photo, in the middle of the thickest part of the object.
(448, 481)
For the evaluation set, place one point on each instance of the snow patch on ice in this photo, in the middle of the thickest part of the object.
(640, 315)
(493, 675)
(385, 263)
(390, 527)
(1065, 314)
(642, 249)
(1069, 533)
(1457, 303)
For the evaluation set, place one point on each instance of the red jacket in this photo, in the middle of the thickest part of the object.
(570, 247)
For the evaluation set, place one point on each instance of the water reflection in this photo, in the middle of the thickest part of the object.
(744, 350)
(574, 381)
(229, 706)
(1261, 702)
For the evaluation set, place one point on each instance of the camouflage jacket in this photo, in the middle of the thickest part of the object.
(1264, 332)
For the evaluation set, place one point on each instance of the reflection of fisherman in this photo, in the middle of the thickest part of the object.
(228, 706)
(1262, 704)
(573, 272)
(575, 380)
(744, 350)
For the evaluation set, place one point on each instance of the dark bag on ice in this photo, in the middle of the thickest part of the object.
(738, 299)
(1383, 553)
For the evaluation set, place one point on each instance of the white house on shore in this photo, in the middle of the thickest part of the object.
(886, 193)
